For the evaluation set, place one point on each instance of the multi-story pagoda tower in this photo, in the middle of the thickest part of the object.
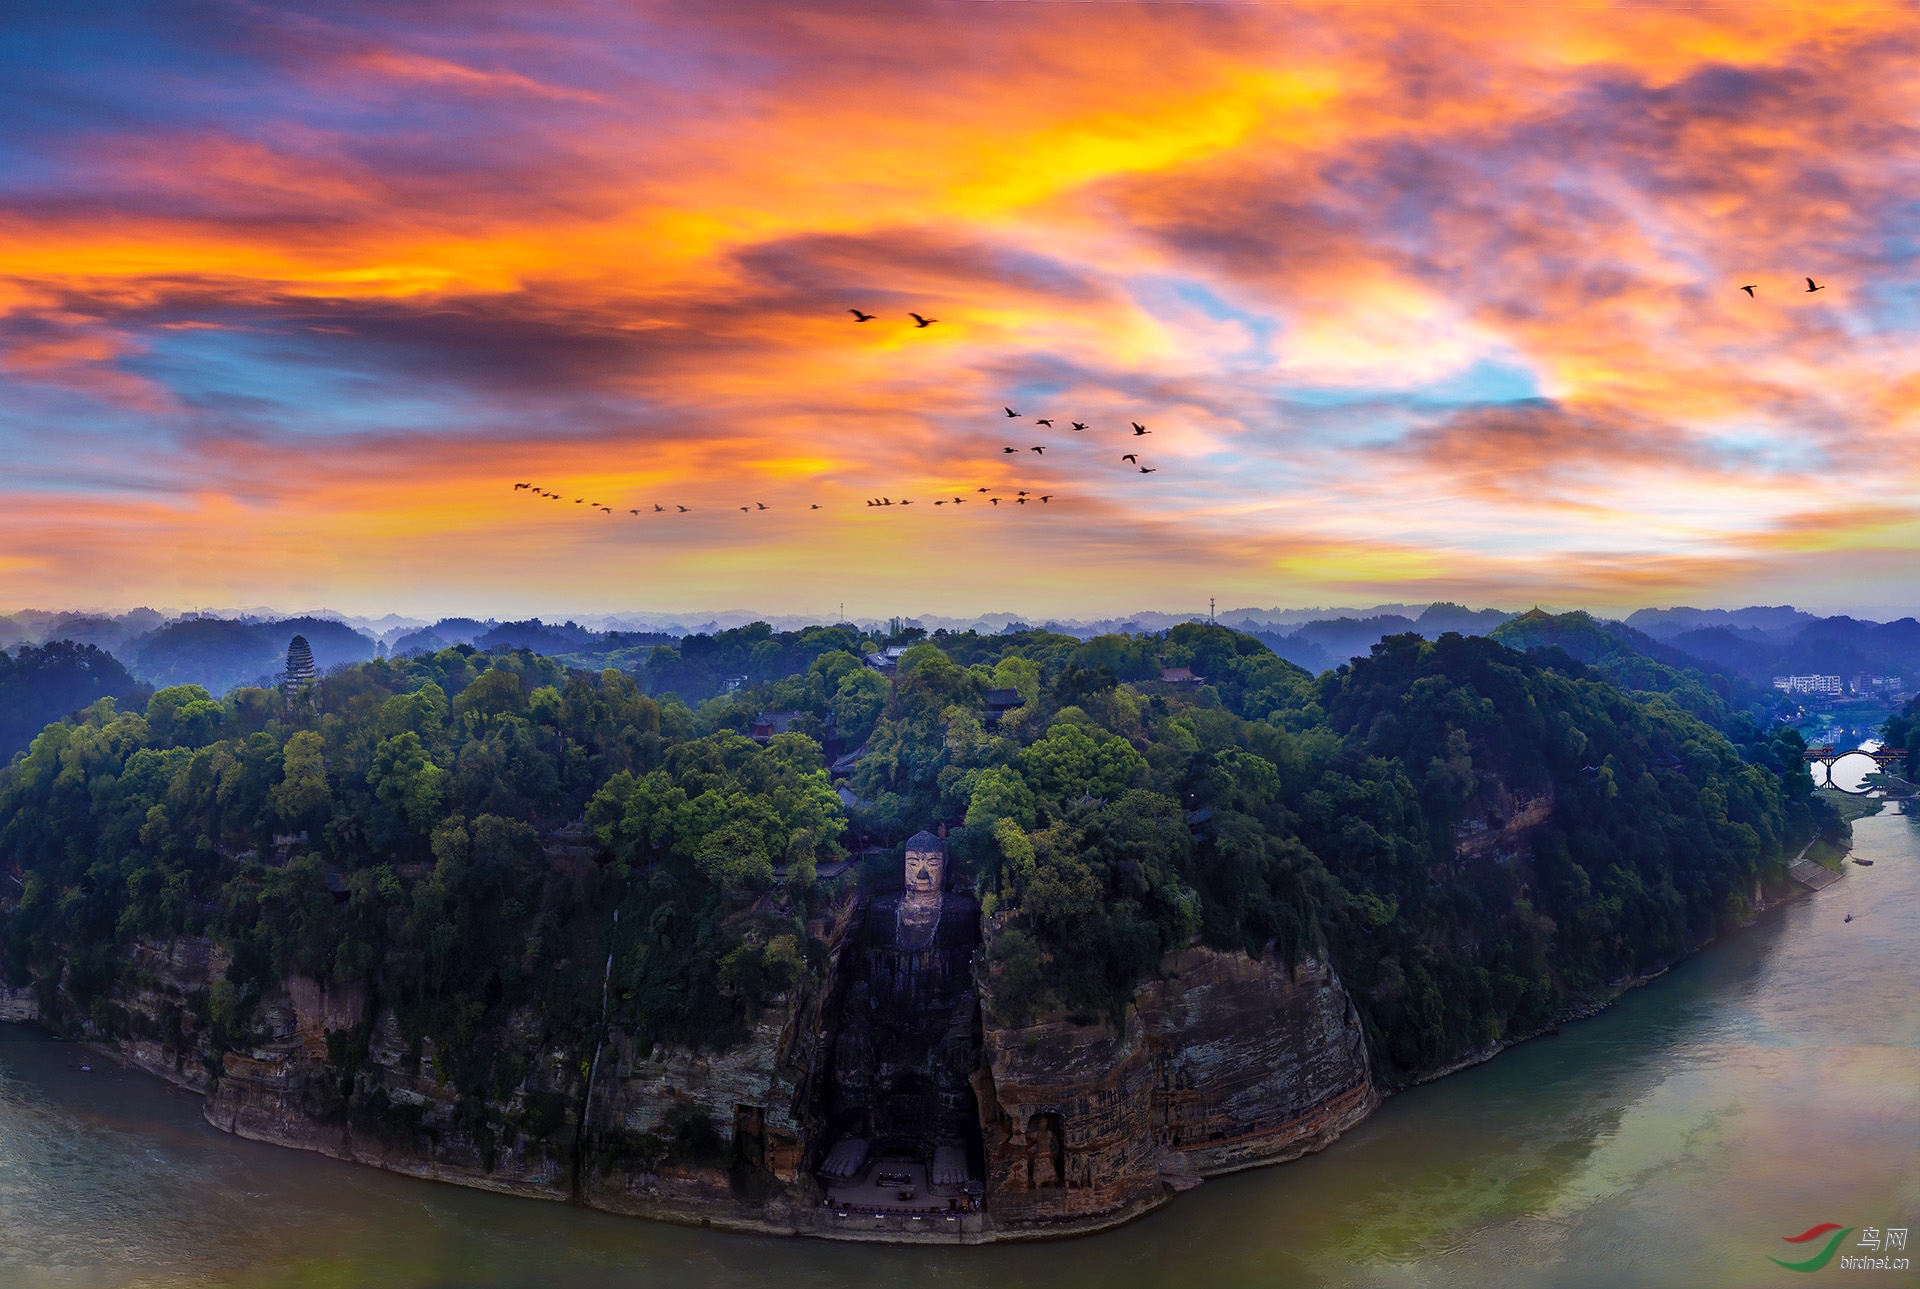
(300, 668)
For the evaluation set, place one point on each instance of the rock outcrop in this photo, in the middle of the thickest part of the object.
(1224, 1063)
(18, 1005)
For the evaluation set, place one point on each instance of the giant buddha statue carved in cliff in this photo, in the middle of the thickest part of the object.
(917, 918)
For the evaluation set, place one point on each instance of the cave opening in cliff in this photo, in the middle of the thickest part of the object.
(901, 1118)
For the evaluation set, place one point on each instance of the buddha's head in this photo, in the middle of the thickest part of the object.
(926, 870)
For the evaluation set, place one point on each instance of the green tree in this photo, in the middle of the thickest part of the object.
(407, 782)
(302, 796)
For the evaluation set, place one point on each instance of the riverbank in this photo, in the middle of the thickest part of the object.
(1616, 990)
(1111, 1072)
(1660, 1142)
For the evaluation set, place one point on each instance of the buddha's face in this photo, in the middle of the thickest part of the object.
(924, 872)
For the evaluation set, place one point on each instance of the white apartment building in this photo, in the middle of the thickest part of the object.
(1808, 684)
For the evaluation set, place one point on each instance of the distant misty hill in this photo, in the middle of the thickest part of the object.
(1841, 646)
(1754, 644)
(223, 655)
(103, 631)
(570, 640)
(1664, 624)
(568, 637)
(1616, 646)
(1747, 647)
(443, 634)
(1325, 643)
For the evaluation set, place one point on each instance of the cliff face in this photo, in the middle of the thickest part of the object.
(1224, 1063)
(724, 1137)
(393, 1111)
(153, 1012)
(18, 1004)
(670, 1132)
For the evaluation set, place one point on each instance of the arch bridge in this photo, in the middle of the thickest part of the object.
(1886, 759)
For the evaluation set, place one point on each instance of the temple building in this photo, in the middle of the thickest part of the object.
(300, 668)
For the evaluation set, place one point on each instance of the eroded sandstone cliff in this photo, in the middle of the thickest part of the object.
(1223, 1062)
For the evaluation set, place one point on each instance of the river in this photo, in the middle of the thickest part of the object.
(1768, 1084)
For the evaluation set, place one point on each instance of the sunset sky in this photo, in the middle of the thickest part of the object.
(1418, 303)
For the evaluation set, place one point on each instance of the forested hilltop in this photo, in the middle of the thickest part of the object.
(1477, 837)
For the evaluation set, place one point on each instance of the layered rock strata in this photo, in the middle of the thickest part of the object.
(1223, 1062)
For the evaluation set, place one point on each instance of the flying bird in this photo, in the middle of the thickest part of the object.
(1749, 290)
(743, 510)
(1079, 425)
(816, 507)
(609, 510)
(658, 509)
(859, 316)
(681, 509)
(761, 504)
(939, 503)
(1131, 457)
(983, 490)
(919, 321)
(1144, 470)
(1046, 421)
(1041, 451)
(1020, 501)
(579, 501)
(994, 500)
(1010, 412)
(1045, 499)
(905, 501)
(1812, 287)
(1021, 493)
(1009, 449)
(959, 501)
(1139, 428)
(518, 486)
(635, 512)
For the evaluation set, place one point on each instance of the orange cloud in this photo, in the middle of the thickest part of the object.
(1429, 301)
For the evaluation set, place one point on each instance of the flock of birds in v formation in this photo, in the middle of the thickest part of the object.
(1020, 497)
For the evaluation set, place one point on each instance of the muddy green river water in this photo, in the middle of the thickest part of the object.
(1767, 1085)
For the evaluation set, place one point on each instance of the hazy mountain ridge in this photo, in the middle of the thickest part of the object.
(224, 650)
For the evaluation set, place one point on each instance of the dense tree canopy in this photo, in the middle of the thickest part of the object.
(396, 827)
(1475, 836)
